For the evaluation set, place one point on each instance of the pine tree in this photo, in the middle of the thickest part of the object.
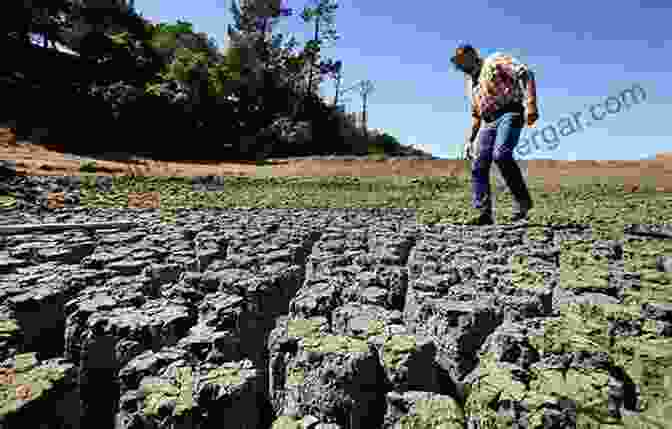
(258, 54)
(323, 15)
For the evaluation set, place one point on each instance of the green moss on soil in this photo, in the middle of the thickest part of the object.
(335, 344)
(434, 414)
(640, 257)
(38, 379)
(180, 391)
(647, 358)
(579, 268)
(437, 199)
(375, 328)
(313, 340)
(396, 348)
(522, 276)
(536, 234)
(7, 202)
(287, 422)
(588, 388)
(224, 376)
(8, 328)
(303, 328)
(295, 376)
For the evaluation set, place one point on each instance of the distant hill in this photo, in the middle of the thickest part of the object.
(410, 151)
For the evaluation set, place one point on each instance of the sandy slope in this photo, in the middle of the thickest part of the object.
(38, 160)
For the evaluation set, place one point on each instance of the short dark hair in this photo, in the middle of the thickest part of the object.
(467, 48)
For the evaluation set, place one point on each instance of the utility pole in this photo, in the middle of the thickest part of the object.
(366, 89)
(339, 76)
(357, 85)
(339, 92)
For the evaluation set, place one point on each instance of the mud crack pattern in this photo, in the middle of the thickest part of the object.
(331, 319)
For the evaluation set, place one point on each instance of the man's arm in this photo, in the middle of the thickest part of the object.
(469, 148)
(475, 119)
(530, 90)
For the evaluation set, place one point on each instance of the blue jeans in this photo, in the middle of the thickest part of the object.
(497, 143)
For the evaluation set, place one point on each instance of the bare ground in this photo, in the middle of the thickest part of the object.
(37, 160)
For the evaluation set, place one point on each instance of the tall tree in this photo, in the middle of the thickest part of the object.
(323, 15)
(192, 60)
(255, 49)
(249, 35)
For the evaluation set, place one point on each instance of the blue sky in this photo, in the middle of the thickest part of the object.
(581, 51)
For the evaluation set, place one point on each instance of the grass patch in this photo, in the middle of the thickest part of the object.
(587, 201)
(7, 202)
(377, 157)
(602, 204)
(88, 167)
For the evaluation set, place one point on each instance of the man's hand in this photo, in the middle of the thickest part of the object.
(532, 118)
(469, 149)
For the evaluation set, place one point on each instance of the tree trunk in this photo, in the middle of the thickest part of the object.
(312, 63)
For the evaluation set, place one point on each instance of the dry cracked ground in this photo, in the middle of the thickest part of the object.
(331, 319)
(328, 319)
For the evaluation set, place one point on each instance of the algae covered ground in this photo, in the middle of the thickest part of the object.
(600, 202)
(605, 206)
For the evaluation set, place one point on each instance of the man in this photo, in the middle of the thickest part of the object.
(502, 91)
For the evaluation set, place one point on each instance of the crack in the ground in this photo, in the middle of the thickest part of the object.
(328, 319)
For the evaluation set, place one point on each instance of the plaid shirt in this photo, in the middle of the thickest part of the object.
(502, 81)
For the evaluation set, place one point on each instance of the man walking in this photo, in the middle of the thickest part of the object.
(500, 87)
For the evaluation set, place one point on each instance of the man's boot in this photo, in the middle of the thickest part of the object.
(485, 218)
(520, 212)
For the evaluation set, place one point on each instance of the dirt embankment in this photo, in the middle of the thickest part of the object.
(32, 159)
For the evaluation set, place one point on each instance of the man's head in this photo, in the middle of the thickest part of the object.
(466, 59)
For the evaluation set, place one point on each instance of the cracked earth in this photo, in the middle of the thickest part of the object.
(328, 319)
(320, 319)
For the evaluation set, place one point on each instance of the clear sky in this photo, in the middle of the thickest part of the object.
(581, 51)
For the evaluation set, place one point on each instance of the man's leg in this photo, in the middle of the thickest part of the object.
(508, 135)
(480, 171)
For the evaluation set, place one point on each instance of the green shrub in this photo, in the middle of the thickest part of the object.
(377, 157)
(88, 166)
(389, 143)
(376, 149)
